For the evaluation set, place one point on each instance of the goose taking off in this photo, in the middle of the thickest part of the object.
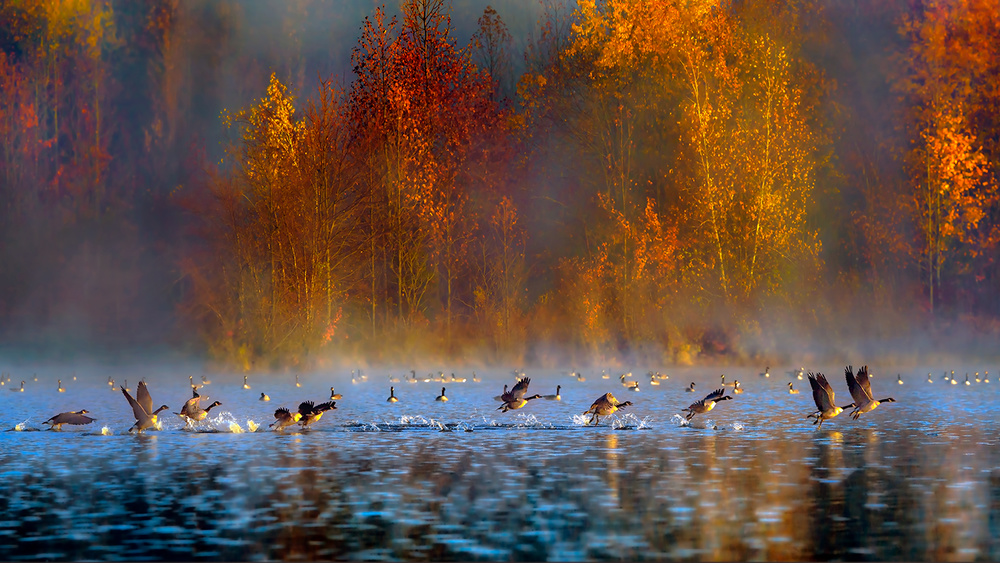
(312, 413)
(823, 395)
(605, 405)
(192, 412)
(707, 404)
(142, 408)
(515, 399)
(284, 418)
(392, 396)
(861, 390)
(72, 417)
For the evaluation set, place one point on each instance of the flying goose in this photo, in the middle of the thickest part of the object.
(312, 413)
(605, 405)
(861, 390)
(284, 418)
(708, 403)
(823, 395)
(72, 417)
(142, 408)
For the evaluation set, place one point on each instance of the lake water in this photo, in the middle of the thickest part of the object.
(426, 480)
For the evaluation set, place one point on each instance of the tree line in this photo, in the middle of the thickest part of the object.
(665, 180)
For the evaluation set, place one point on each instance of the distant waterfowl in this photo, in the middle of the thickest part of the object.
(605, 405)
(767, 372)
(475, 378)
(723, 383)
(392, 396)
(580, 377)
(457, 379)
(393, 378)
(626, 382)
(823, 396)
(634, 387)
(61, 388)
(111, 382)
(127, 388)
(653, 380)
(245, 384)
(264, 397)
(35, 377)
(929, 378)
(335, 396)
(986, 377)
(72, 417)
(736, 387)
(792, 390)
(899, 379)
(556, 397)
(112, 385)
(312, 413)
(861, 390)
(978, 380)
(953, 381)
(707, 404)
(19, 389)
(442, 396)
(142, 408)
(690, 388)
(967, 382)
(284, 418)
(205, 381)
(605, 375)
(297, 384)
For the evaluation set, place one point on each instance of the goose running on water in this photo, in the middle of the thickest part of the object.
(72, 417)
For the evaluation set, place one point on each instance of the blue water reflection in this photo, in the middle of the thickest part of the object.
(422, 480)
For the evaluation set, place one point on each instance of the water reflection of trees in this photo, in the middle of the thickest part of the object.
(704, 496)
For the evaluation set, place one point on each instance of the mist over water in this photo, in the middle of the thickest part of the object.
(425, 480)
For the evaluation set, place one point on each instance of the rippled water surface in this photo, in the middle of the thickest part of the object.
(458, 480)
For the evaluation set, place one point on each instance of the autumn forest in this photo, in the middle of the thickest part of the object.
(672, 181)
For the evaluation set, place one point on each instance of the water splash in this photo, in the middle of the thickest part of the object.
(581, 419)
(235, 428)
(105, 431)
(20, 426)
(737, 426)
(252, 426)
(679, 420)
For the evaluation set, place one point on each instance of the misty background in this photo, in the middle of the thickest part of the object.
(578, 175)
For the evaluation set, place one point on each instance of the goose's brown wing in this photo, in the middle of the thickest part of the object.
(714, 395)
(137, 409)
(822, 393)
(863, 381)
(857, 391)
(518, 391)
(143, 397)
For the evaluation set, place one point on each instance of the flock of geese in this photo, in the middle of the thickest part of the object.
(514, 398)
